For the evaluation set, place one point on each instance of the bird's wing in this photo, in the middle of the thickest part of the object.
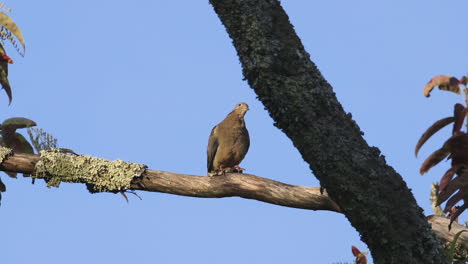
(246, 139)
(213, 144)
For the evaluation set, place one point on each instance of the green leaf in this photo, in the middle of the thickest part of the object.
(452, 246)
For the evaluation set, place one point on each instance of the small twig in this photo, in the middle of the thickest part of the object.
(134, 193)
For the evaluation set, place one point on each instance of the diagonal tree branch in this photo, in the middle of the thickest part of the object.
(372, 195)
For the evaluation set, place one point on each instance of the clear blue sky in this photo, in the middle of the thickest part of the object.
(145, 81)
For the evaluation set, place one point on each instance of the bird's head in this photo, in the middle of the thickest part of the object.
(241, 108)
(6, 58)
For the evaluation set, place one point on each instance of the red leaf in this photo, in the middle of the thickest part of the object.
(435, 158)
(457, 214)
(458, 146)
(454, 185)
(446, 178)
(360, 257)
(431, 131)
(445, 82)
(459, 114)
(449, 207)
(355, 251)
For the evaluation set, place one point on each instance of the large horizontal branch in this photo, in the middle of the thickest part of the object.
(234, 184)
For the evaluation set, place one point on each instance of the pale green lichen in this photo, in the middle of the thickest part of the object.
(100, 175)
(4, 153)
(433, 198)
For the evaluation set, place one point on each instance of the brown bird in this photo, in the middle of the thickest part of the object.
(228, 143)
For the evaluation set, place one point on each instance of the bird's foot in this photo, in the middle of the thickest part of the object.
(218, 172)
(222, 171)
(215, 173)
(238, 169)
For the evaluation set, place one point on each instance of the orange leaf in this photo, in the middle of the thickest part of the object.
(431, 131)
(445, 82)
(360, 257)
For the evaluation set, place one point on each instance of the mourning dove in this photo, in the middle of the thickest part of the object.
(228, 143)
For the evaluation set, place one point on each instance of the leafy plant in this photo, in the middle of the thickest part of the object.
(41, 140)
(452, 246)
(11, 32)
(454, 148)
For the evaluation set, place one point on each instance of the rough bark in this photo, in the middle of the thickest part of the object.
(372, 194)
(230, 185)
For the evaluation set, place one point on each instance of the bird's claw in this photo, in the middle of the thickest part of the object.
(222, 171)
(238, 169)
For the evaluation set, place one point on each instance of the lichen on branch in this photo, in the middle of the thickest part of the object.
(100, 175)
(4, 153)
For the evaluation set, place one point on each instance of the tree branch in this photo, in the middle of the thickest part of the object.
(372, 195)
(234, 184)
(439, 226)
(230, 185)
